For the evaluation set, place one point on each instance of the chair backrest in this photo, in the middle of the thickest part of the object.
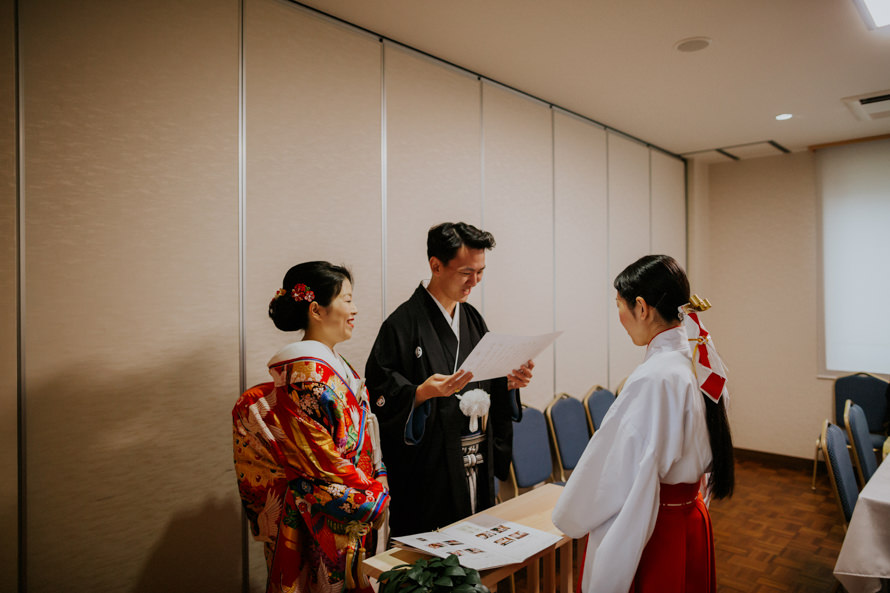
(568, 431)
(857, 431)
(596, 404)
(866, 391)
(532, 463)
(840, 468)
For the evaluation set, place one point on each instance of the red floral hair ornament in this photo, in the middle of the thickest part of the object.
(301, 292)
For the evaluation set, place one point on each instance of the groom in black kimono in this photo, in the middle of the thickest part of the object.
(438, 471)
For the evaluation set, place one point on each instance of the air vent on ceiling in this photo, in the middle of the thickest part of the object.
(871, 106)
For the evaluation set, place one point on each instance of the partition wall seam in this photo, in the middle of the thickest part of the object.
(383, 184)
(481, 77)
(822, 369)
(650, 202)
(553, 227)
(686, 211)
(242, 240)
(608, 260)
(482, 167)
(22, 539)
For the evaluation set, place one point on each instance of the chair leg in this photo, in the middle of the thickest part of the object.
(816, 460)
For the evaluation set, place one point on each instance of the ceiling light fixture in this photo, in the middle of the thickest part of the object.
(875, 13)
(691, 44)
(784, 116)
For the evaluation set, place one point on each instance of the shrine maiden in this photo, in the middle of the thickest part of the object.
(635, 490)
(307, 452)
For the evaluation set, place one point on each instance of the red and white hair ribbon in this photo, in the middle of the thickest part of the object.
(706, 363)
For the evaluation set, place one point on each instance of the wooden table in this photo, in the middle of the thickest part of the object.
(865, 555)
(532, 509)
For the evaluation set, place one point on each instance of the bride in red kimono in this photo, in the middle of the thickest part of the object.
(306, 445)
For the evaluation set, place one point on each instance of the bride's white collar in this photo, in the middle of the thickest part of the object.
(306, 348)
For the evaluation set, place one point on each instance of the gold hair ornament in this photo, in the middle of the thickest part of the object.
(697, 303)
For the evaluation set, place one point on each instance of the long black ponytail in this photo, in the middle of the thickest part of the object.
(722, 480)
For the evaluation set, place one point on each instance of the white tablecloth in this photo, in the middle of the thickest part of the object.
(865, 555)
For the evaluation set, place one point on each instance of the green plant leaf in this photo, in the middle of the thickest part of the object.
(444, 581)
(473, 577)
(416, 572)
(464, 589)
(455, 571)
(451, 560)
(393, 572)
(390, 581)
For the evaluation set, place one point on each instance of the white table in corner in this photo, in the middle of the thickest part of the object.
(865, 555)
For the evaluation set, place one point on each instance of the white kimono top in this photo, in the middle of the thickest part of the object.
(654, 432)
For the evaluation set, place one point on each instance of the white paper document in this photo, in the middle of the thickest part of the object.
(487, 543)
(496, 355)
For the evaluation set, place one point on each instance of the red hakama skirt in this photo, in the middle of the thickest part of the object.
(679, 556)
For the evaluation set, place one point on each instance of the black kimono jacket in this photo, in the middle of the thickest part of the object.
(427, 480)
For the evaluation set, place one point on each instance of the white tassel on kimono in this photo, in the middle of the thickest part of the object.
(475, 404)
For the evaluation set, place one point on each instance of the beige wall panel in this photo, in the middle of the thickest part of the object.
(131, 136)
(763, 267)
(629, 233)
(583, 290)
(518, 210)
(668, 203)
(434, 162)
(8, 315)
(313, 166)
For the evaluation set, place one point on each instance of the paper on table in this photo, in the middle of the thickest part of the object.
(496, 355)
(484, 543)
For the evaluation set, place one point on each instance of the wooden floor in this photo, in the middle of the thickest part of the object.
(776, 533)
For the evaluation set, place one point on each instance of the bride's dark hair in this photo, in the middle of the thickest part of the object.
(323, 279)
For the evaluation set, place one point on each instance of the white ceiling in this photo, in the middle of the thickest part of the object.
(614, 61)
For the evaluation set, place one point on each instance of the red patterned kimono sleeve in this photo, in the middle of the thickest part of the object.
(327, 453)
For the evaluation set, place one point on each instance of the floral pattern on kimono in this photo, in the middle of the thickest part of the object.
(304, 463)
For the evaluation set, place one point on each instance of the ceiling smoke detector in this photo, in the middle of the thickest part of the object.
(691, 44)
(871, 106)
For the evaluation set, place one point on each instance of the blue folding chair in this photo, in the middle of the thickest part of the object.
(532, 463)
(857, 433)
(840, 468)
(868, 392)
(568, 431)
(596, 404)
